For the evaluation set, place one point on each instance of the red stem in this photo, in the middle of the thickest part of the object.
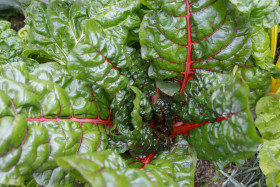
(78, 120)
(184, 128)
(147, 159)
(188, 61)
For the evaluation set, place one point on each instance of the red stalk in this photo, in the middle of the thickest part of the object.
(184, 128)
(188, 61)
(78, 120)
(147, 159)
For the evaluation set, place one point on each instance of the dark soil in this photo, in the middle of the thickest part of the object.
(205, 175)
(16, 21)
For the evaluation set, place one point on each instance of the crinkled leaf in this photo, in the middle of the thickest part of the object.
(132, 127)
(261, 51)
(169, 168)
(96, 51)
(180, 38)
(221, 129)
(98, 58)
(163, 117)
(12, 46)
(57, 27)
(258, 81)
(261, 12)
(268, 117)
(44, 115)
(54, 177)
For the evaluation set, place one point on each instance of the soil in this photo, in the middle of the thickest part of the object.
(205, 174)
(16, 21)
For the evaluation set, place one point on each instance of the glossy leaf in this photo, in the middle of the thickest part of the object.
(182, 38)
(12, 47)
(221, 129)
(96, 51)
(258, 81)
(261, 51)
(132, 127)
(267, 121)
(261, 13)
(44, 115)
(170, 168)
(57, 27)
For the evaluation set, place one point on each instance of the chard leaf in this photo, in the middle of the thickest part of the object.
(258, 81)
(181, 38)
(221, 129)
(163, 117)
(264, 13)
(132, 127)
(12, 46)
(46, 114)
(58, 26)
(98, 58)
(268, 116)
(91, 38)
(54, 177)
(169, 168)
(169, 88)
(198, 44)
(261, 51)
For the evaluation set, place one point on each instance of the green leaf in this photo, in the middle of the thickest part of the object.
(46, 114)
(169, 168)
(169, 88)
(261, 51)
(92, 39)
(54, 177)
(184, 37)
(221, 129)
(98, 58)
(257, 79)
(268, 112)
(132, 126)
(12, 46)
(263, 13)
(57, 27)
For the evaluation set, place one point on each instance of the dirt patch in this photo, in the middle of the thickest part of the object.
(16, 21)
(205, 175)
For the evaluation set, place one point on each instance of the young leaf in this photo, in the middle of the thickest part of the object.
(264, 13)
(261, 51)
(132, 127)
(267, 121)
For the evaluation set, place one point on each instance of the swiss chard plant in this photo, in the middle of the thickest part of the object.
(131, 92)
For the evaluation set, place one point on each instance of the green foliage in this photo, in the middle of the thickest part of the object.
(92, 91)
(268, 111)
(105, 168)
